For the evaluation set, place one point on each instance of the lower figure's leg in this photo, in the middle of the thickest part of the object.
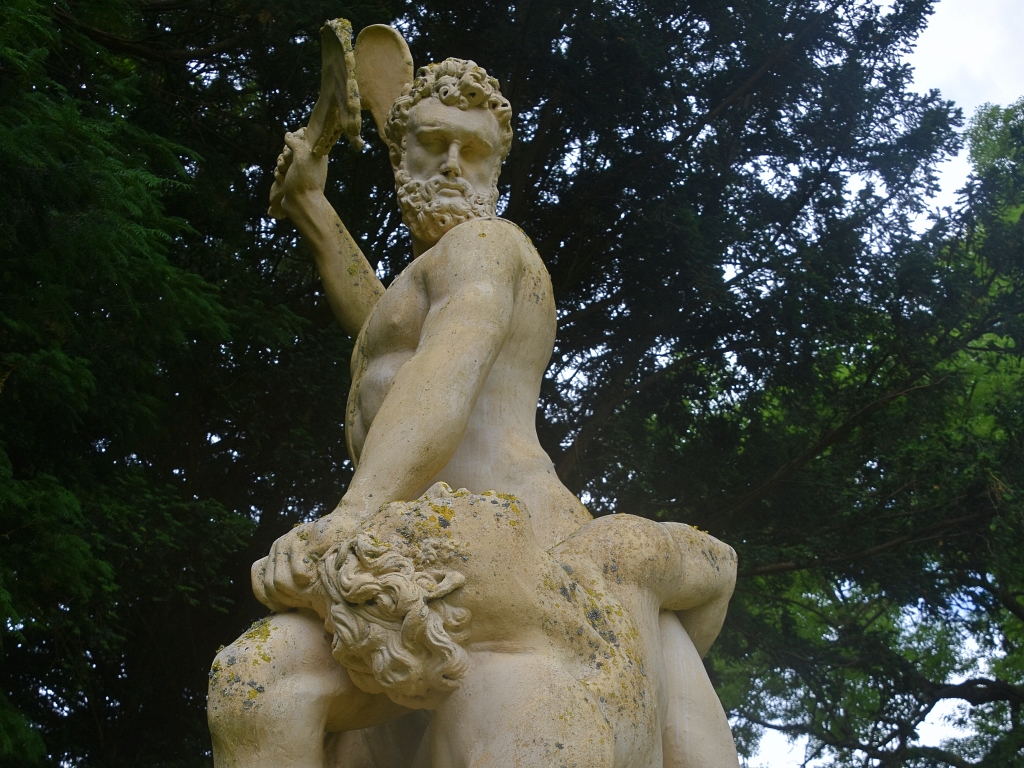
(696, 733)
(277, 689)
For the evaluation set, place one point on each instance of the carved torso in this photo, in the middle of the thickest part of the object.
(499, 449)
(388, 339)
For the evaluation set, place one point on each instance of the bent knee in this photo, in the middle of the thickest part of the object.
(283, 655)
(271, 691)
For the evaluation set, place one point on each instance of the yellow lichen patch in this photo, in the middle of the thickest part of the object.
(353, 270)
(431, 527)
(443, 510)
(259, 633)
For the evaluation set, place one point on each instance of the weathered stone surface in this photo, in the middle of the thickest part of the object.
(527, 657)
(445, 378)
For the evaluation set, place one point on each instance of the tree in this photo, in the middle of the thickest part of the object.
(753, 339)
(907, 592)
(115, 573)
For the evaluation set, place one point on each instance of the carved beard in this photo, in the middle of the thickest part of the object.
(428, 215)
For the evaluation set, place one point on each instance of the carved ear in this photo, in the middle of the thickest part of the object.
(383, 69)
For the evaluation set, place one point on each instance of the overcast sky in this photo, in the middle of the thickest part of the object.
(973, 52)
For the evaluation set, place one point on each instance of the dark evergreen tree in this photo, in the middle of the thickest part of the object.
(755, 337)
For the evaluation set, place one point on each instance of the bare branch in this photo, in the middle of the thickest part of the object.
(920, 534)
(1006, 598)
(827, 440)
(942, 755)
(981, 690)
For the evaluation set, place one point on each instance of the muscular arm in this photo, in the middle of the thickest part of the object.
(689, 572)
(470, 289)
(349, 281)
(699, 593)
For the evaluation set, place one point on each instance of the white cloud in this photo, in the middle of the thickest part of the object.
(972, 51)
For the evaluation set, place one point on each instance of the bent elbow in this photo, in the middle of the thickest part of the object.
(728, 568)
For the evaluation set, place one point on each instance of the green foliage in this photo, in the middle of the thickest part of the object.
(163, 377)
(92, 317)
(753, 339)
(902, 589)
(20, 745)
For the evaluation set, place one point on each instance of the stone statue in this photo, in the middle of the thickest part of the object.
(446, 374)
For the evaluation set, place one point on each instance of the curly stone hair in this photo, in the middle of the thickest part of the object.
(455, 83)
(392, 629)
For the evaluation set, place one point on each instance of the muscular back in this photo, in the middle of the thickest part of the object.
(459, 342)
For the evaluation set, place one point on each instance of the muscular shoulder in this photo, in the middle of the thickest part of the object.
(489, 242)
(489, 254)
(623, 544)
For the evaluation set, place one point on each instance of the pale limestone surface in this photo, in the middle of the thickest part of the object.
(527, 657)
(383, 69)
(338, 110)
(446, 374)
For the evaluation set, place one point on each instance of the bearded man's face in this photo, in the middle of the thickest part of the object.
(449, 169)
(432, 207)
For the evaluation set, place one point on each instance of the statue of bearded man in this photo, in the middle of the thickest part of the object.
(429, 207)
(446, 374)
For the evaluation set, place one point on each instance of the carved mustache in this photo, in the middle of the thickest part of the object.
(437, 183)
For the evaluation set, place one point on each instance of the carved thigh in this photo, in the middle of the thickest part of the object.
(277, 689)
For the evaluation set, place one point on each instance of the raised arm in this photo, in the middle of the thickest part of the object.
(349, 281)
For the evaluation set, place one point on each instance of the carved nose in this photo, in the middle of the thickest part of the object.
(451, 167)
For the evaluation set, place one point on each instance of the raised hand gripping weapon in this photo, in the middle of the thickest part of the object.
(369, 76)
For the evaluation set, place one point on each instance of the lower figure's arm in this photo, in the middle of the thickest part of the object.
(707, 568)
(704, 622)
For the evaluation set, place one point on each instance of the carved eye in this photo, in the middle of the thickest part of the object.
(435, 144)
(475, 151)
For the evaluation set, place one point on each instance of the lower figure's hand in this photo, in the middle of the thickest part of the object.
(286, 578)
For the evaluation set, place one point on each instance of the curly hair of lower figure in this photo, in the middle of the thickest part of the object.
(393, 630)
